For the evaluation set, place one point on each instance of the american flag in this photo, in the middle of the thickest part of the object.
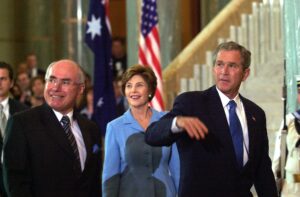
(149, 48)
(98, 38)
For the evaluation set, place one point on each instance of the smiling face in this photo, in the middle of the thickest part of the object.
(229, 72)
(63, 86)
(137, 91)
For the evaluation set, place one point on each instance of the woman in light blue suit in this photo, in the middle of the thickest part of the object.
(131, 167)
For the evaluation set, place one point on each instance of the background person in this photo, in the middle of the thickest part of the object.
(121, 102)
(119, 57)
(290, 187)
(23, 82)
(37, 87)
(8, 107)
(33, 70)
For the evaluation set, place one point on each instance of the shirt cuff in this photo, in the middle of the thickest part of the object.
(175, 128)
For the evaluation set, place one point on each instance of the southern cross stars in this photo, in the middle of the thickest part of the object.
(94, 26)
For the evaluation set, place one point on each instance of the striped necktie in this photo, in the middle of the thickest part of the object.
(67, 127)
(236, 133)
(3, 121)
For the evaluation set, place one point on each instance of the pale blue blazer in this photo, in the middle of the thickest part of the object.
(132, 167)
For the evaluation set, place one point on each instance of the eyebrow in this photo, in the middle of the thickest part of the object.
(53, 77)
(221, 61)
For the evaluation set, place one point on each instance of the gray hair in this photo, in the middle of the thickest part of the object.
(81, 75)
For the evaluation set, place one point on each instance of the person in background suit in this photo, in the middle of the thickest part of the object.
(119, 57)
(9, 106)
(217, 159)
(50, 150)
(23, 82)
(121, 102)
(33, 70)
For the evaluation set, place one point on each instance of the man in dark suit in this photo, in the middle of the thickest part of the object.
(33, 70)
(8, 107)
(51, 150)
(221, 136)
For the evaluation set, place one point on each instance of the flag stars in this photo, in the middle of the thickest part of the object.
(149, 16)
(94, 26)
(100, 102)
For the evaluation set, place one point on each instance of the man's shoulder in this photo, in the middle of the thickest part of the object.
(251, 104)
(35, 112)
(84, 120)
(196, 95)
(16, 106)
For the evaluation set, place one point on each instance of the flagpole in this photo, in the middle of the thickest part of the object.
(79, 32)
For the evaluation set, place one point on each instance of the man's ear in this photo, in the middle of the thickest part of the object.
(246, 73)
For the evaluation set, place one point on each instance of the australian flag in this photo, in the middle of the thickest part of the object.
(98, 38)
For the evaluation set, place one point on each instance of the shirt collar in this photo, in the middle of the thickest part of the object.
(60, 115)
(4, 103)
(225, 100)
(128, 117)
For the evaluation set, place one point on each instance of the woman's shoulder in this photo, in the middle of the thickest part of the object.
(117, 122)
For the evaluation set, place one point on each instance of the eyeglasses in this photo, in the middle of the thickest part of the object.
(62, 82)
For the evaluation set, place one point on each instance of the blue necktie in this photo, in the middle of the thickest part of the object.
(236, 133)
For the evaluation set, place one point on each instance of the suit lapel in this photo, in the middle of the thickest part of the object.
(129, 120)
(12, 107)
(55, 130)
(251, 121)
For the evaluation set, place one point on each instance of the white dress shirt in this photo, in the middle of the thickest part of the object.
(5, 105)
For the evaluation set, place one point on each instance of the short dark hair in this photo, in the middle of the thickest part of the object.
(4, 65)
(233, 46)
(31, 54)
(146, 73)
(36, 79)
(118, 39)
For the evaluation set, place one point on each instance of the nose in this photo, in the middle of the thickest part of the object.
(56, 85)
(133, 89)
(224, 69)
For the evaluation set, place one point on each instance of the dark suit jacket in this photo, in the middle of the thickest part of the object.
(38, 159)
(208, 167)
(40, 72)
(14, 107)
